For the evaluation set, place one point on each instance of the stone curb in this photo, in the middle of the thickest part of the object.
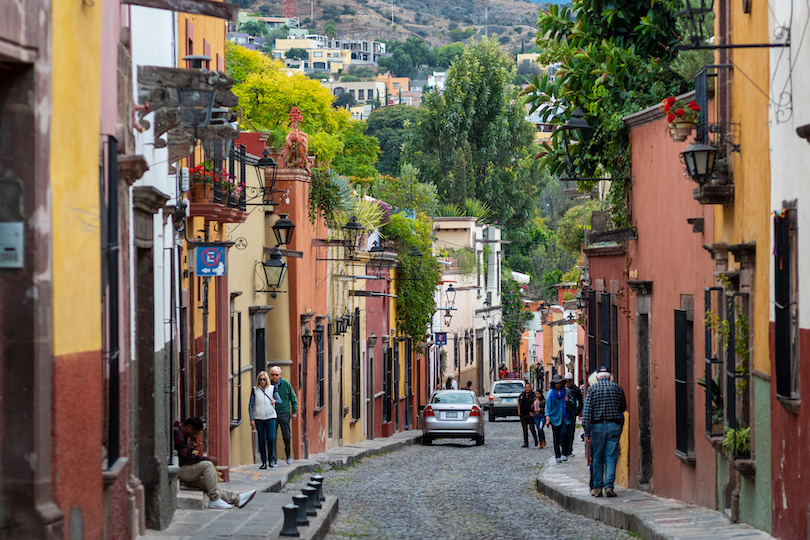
(654, 518)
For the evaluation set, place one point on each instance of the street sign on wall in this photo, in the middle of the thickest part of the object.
(211, 260)
(441, 338)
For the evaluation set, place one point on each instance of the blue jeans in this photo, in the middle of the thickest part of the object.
(539, 422)
(605, 444)
(266, 430)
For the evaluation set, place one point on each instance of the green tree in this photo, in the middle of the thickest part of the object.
(345, 100)
(514, 316)
(330, 29)
(447, 53)
(254, 28)
(296, 53)
(388, 125)
(616, 58)
(571, 230)
(479, 107)
(359, 152)
(407, 193)
(240, 61)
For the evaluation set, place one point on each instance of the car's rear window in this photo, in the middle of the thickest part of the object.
(461, 397)
(508, 388)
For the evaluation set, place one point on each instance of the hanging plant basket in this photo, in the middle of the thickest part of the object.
(681, 130)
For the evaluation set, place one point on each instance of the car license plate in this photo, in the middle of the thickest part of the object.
(509, 400)
(451, 415)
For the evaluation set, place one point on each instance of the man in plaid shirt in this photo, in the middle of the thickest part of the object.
(602, 420)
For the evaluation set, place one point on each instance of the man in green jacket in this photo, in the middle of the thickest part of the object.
(289, 404)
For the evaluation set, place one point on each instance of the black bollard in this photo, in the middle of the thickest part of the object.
(301, 516)
(289, 528)
(311, 493)
(319, 478)
(316, 500)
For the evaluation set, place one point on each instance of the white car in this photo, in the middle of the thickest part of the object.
(503, 399)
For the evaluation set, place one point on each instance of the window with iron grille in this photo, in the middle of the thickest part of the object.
(786, 307)
(356, 366)
(319, 366)
(387, 383)
(455, 350)
(236, 366)
(684, 373)
(712, 375)
(593, 332)
(737, 361)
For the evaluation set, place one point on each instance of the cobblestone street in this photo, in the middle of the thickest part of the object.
(454, 489)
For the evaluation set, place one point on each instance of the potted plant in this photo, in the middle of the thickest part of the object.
(737, 442)
(201, 182)
(682, 117)
(717, 406)
(296, 145)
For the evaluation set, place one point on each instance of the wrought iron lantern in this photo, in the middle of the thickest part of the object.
(195, 107)
(318, 332)
(416, 261)
(699, 159)
(217, 150)
(448, 317)
(266, 170)
(340, 325)
(696, 14)
(274, 270)
(450, 294)
(576, 133)
(349, 319)
(582, 299)
(283, 230)
(352, 231)
(371, 340)
(560, 340)
(306, 338)
(499, 327)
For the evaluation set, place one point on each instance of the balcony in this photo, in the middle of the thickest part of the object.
(209, 201)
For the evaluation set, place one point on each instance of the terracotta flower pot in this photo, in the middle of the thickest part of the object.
(200, 192)
(681, 130)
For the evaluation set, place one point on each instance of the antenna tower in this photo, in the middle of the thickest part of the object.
(289, 10)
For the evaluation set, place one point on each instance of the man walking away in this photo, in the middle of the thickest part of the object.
(199, 472)
(602, 420)
(575, 396)
(287, 408)
(525, 402)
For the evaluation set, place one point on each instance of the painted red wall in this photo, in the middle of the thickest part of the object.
(305, 296)
(790, 457)
(77, 425)
(378, 315)
(670, 255)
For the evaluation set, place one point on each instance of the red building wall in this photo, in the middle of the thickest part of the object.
(790, 457)
(668, 253)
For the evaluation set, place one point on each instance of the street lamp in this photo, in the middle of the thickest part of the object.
(274, 270)
(352, 230)
(306, 338)
(283, 230)
(450, 294)
(560, 340)
(267, 182)
(699, 159)
(696, 13)
(576, 129)
(448, 317)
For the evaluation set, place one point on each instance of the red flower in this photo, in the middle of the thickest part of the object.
(670, 117)
(680, 112)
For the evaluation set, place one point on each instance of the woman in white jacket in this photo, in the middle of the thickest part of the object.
(262, 410)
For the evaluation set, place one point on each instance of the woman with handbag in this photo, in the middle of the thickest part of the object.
(262, 410)
(538, 408)
(558, 417)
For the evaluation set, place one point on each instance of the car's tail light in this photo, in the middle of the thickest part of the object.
(475, 411)
(428, 411)
(491, 397)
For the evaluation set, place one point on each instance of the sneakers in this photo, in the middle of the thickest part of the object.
(246, 497)
(264, 466)
(598, 492)
(219, 504)
(609, 492)
(559, 460)
(275, 463)
(289, 460)
(565, 458)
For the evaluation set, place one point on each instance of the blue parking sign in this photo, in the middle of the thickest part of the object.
(211, 260)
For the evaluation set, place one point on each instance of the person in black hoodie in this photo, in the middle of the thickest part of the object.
(525, 402)
(575, 396)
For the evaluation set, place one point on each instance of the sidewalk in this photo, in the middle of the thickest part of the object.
(263, 518)
(654, 518)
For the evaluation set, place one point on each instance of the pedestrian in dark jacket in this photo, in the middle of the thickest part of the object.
(603, 420)
(575, 396)
(525, 411)
(286, 409)
(557, 416)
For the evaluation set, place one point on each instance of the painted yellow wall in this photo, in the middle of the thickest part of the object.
(74, 172)
(209, 29)
(747, 220)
